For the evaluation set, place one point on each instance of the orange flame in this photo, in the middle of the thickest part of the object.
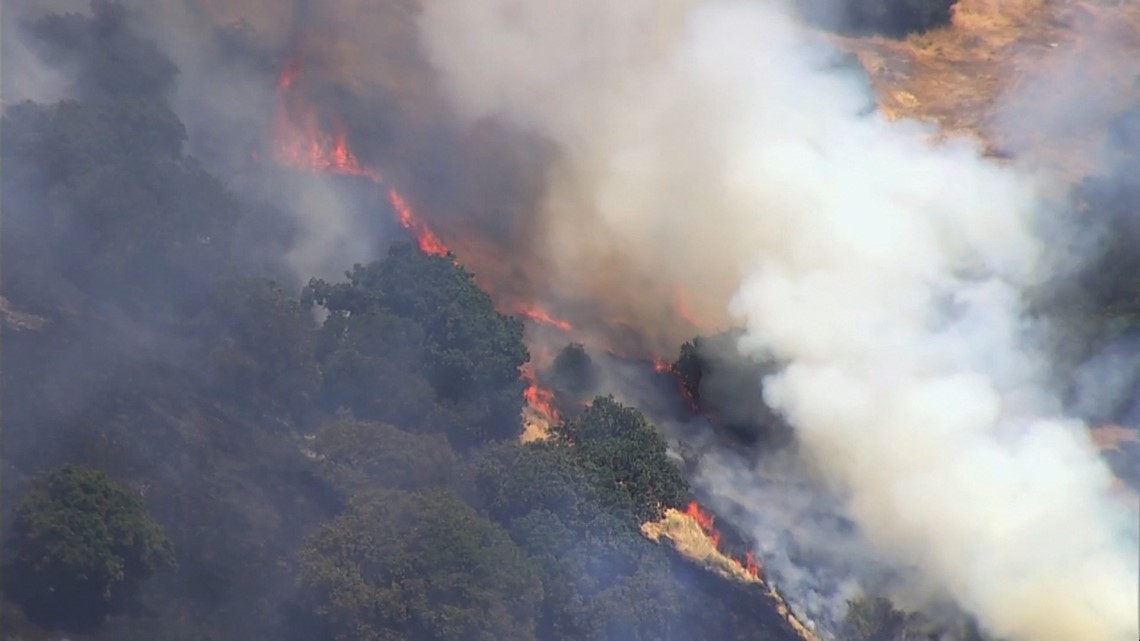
(429, 243)
(540, 315)
(540, 398)
(302, 142)
(707, 521)
(751, 565)
(704, 519)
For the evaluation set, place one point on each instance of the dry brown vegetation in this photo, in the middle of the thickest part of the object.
(999, 58)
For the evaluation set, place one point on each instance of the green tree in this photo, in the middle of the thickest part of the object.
(82, 544)
(266, 350)
(511, 480)
(619, 445)
(104, 199)
(606, 582)
(400, 566)
(373, 365)
(357, 455)
(471, 353)
(573, 372)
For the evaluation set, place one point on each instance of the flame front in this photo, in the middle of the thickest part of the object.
(316, 141)
(540, 398)
(707, 521)
(539, 315)
(302, 142)
(429, 243)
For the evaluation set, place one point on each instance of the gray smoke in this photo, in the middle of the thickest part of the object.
(713, 144)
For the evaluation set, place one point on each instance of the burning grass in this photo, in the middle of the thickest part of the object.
(693, 534)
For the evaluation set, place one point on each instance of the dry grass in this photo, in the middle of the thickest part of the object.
(690, 540)
(963, 76)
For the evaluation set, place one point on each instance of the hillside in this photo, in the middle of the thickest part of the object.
(268, 297)
(338, 460)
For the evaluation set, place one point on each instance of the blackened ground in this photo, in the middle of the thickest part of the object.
(893, 18)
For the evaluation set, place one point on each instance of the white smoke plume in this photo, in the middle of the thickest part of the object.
(712, 144)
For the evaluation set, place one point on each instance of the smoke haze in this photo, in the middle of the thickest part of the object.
(717, 147)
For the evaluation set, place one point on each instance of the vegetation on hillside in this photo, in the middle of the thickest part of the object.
(82, 544)
(335, 461)
(197, 447)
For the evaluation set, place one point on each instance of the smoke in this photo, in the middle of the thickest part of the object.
(717, 146)
(26, 76)
(229, 57)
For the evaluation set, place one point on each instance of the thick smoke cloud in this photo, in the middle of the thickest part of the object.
(26, 76)
(714, 145)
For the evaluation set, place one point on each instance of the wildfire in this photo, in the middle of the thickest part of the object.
(429, 243)
(311, 140)
(540, 315)
(303, 142)
(663, 366)
(707, 520)
(309, 147)
(540, 398)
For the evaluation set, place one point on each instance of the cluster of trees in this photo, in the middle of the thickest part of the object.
(524, 541)
(82, 546)
(192, 450)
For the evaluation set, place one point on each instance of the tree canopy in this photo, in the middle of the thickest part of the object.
(574, 372)
(399, 566)
(429, 310)
(82, 544)
(103, 197)
(357, 455)
(617, 443)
